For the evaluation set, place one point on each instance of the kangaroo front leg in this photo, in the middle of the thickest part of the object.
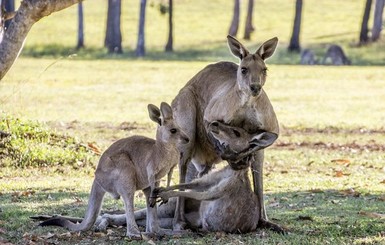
(257, 172)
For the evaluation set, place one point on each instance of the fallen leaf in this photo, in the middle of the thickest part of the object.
(94, 148)
(338, 174)
(350, 192)
(383, 182)
(48, 236)
(381, 198)
(372, 214)
(341, 161)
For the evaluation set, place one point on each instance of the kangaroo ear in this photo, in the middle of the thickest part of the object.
(267, 48)
(165, 110)
(263, 140)
(154, 113)
(236, 47)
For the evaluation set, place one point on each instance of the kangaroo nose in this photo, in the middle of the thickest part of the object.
(255, 88)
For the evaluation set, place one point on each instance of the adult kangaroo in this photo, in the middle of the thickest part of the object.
(232, 94)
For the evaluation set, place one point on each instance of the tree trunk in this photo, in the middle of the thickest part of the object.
(80, 43)
(113, 40)
(377, 21)
(169, 45)
(29, 12)
(235, 21)
(364, 25)
(249, 28)
(294, 41)
(140, 47)
(9, 7)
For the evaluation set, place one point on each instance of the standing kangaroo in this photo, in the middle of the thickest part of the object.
(232, 94)
(130, 164)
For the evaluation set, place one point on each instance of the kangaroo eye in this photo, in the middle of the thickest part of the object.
(264, 71)
(244, 70)
(173, 130)
(238, 134)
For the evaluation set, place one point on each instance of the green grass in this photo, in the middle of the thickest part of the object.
(331, 118)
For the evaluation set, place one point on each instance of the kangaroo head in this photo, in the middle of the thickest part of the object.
(232, 141)
(251, 74)
(168, 131)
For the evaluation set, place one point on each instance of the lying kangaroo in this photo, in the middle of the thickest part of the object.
(226, 201)
(336, 55)
(308, 57)
(130, 164)
(232, 94)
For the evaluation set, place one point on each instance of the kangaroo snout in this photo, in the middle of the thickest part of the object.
(255, 89)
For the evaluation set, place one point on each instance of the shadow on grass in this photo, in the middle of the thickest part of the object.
(329, 215)
(371, 54)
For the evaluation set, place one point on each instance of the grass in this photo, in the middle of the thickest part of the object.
(323, 177)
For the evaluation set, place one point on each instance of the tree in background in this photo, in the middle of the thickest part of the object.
(364, 25)
(169, 45)
(235, 21)
(113, 40)
(294, 40)
(377, 20)
(80, 43)
(249, 28)
(140, 47)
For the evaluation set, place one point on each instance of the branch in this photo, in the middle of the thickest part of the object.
(29, 12)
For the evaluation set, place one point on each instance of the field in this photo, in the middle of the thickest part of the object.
(324, 177)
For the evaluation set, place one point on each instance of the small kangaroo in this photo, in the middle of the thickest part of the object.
(130, 164)
(232, 94)
(219, 201)
(336, 55)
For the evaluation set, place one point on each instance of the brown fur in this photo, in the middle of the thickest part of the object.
(130, 164)
(221, 200)
(221, 92)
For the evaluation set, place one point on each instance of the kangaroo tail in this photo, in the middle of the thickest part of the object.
(93, 209)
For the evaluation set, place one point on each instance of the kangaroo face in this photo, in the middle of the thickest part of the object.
(168, 131)
(251, 74)
(233, 141)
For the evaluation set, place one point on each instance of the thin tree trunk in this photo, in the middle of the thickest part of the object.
(140, 47)
(169, 45)
(113, 40)
(9, 7)
(29, 12)
(294, 45)
(235, 21)
(80, 43)
(249, 28)
(377, 21)
(364, 25)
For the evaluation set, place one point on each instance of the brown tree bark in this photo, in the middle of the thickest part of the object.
(249, 28)
(364, 25)
(377, 20)
(29, 12)
(169, 45)
(113, 39)
(80, 43)
(140, 47)
(235, 21)
(294, 45)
